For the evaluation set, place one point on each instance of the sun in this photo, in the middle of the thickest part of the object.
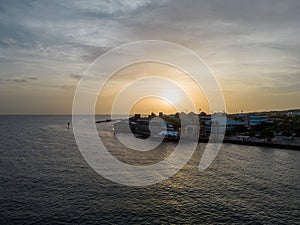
(152, 104)
(171, 95)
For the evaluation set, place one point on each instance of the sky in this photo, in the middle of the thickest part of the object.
(253, 48)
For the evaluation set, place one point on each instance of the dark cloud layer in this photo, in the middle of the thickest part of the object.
(76, 76)
(22, 80)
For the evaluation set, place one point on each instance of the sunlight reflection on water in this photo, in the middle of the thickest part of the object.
(44, 179)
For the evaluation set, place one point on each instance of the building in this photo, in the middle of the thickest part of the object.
(255, 120)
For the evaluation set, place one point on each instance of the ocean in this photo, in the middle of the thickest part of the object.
(45, 180)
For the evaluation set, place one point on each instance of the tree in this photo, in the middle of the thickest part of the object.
(252, 133)
(268, 134)
(287, 133)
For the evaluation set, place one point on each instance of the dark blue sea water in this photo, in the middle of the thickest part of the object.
(45, 180)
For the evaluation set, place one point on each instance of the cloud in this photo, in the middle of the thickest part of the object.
(22, 80)
(76, 76)
(32, 78)
(251, 44)
(68, 87)
(61, 30)
(109, 7)
(19, 80)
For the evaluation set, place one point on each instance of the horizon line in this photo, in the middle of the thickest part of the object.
(103, 114)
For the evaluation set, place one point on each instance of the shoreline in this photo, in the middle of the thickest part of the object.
(257, 144)
(236, 142)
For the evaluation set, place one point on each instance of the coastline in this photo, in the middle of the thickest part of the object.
(237, 142)
(258, 144)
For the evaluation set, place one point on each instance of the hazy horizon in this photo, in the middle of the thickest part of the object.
(253, 48)
(156, 112)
